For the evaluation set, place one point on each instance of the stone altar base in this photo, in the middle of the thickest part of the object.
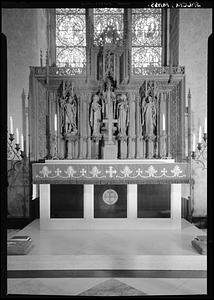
(110, 151)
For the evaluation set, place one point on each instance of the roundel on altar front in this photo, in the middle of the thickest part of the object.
(110, 197)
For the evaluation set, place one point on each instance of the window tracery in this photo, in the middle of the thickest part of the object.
(146, 38)
(71, 38)
(108, 28)
(108, 25)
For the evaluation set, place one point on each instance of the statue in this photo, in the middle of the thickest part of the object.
(122, 115)
(68, 105)
(71, 114)
(95, 116)
(109, 101)
(148, 116)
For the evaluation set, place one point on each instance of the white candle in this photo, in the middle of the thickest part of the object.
(55, 123)
(22, 142)
(193, 142)
(199, 135)
(11, 125)
(163, 122)
(205, 125)
(17, 135)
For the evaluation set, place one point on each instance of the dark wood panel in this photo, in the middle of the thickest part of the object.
(66, 200)
(153, 200)
(105, 210)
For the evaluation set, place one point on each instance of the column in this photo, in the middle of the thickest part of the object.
(131, 130)
(176, 202)
(45, 204)
(131, 201)
(88, 200)
(88, 133)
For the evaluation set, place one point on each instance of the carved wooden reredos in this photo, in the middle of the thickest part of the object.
(80, 104)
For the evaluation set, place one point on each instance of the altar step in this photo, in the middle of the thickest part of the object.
(137, 250)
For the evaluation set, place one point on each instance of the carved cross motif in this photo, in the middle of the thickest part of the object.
(111, 171)
(110, 122)
(110, 197)
(58, 171)
(83, 172)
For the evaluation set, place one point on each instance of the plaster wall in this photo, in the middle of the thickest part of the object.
(26, 33)
(195, 28)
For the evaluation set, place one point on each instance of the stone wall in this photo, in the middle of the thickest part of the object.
(195, 28)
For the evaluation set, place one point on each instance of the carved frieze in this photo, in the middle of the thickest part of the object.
(108, 172)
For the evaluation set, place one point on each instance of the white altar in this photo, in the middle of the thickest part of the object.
(163, 169)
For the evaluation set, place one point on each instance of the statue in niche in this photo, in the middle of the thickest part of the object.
(122, 115)
(108, 100)
(68, 104)
(148, 116)
(95, 116)
(71, 114)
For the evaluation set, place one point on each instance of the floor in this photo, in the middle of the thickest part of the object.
(108, 263)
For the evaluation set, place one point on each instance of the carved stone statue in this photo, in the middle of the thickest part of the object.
(148, 116)
(95, 116)
(71, 114)
(69, 106)
(109, 101)
(122, 115)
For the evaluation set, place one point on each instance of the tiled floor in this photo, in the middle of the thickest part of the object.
(107, 286)
(108, 262)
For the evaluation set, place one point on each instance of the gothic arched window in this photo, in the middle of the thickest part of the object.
(108, 25)
(146, 38)
(71, 38)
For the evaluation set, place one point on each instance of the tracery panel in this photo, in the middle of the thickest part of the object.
(146, 38)
(71, 38)
(108, 20)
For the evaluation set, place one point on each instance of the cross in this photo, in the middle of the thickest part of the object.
(58, 171)
(110, 196)
(83, 172)
(110, 122)
(111, 172)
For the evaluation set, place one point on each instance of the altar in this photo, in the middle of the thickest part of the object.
(108, 147)
(108, 194)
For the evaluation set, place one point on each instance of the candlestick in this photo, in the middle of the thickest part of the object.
(199, 135)
(205, 125)
(11, 125)
(22, 142)
(193, 142)
(55, 123)
(163, 122)
(17, 135)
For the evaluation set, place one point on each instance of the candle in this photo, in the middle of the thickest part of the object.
(199, 135)
(205, 125)
(22, 142)
(11, 125)
(163, 122)
(17, 135)
(193, 142)
(55, 123)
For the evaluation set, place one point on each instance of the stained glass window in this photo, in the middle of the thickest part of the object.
(71, 38)
(108, 25)
(146, 38)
